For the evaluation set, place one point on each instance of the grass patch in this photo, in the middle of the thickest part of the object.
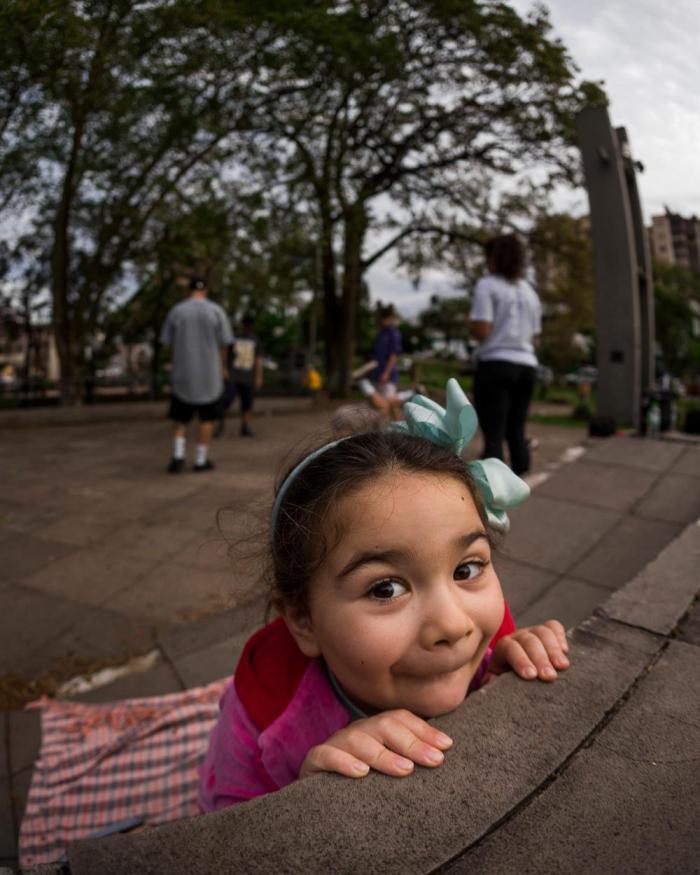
(549, 419)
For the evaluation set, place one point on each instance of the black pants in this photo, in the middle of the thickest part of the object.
(502, 393)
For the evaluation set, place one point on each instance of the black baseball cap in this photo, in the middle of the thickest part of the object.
(197, 283)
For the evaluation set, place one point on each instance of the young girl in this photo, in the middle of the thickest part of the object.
(391, 610)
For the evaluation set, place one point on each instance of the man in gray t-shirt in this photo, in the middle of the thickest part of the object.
(198, 332)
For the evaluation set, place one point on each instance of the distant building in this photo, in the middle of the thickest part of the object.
(675, 240)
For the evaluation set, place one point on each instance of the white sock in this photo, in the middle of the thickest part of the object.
(201, 455)
(179, 448)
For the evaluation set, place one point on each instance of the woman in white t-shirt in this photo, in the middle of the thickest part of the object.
(505, 318)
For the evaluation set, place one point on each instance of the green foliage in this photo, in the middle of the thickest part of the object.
(268, 140)
(677, 313)
(563, 260)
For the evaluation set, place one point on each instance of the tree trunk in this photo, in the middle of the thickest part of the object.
(330, 302)
(68, 334)
(355, 229)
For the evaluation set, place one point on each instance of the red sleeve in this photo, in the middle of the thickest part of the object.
(507, 626)
(269, 672)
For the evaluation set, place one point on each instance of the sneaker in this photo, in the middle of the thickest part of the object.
(175, 466)
(246, 432)
(532, 443)
(206, 466)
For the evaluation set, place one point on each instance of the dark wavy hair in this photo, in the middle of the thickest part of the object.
(306, 528)
(506, 256)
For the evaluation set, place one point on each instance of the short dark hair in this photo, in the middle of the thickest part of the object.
(301, 541)
(386, 311)
(506, 254)
(197, 283)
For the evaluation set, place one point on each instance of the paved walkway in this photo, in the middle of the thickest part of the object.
(108, 557)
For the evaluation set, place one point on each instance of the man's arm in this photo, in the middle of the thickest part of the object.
(258, 372)
(223, 352)
(480, 329)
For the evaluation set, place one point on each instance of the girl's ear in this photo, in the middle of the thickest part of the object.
(299, 624)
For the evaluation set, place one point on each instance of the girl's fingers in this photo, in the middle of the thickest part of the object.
(410, 738)
(367, 749)
(326, 758)
(419, 727)
(560, 632)
(528, 658)
(552, 643)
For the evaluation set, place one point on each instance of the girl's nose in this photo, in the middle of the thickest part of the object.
(446, 618)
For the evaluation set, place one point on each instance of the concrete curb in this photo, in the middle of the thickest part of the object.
(517, 746)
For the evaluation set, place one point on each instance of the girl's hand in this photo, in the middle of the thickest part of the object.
(532, 652)
(390, 742)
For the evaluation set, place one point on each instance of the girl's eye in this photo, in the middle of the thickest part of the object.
(387, 589)
(469, 570)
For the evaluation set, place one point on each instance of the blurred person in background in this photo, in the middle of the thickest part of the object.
(199, 333)
(505, 318)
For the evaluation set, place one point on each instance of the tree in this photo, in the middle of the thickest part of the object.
(126, 108)
(677, 313)
(397, 104)
(563, 260)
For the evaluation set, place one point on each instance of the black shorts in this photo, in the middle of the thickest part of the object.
(244, 392)
(182, 411)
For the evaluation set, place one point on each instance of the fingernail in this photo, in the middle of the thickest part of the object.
(434, 756)
(360, 768)
(530, 672)
(549, 672)
(443, 740)
(403, 764)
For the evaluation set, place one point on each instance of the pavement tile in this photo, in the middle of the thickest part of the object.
(521, 584)
(22, 554)
(20, 518)
(21, 783)
(82, 529)
(204, 632)
(158, 681)
(173, 593)
(661, 593)
(89, 576)
(577, 529)
(508, 738)
(631, 452)
(96, 635)
(4, 742)
(24, 738)
(148, 540)
(689, 463)
(214, 662)
(675, 498)
(624, 551)
(608, 486)
(8, 838)
(689, 629)
(568, 601)
(648, 760)
(28, 620)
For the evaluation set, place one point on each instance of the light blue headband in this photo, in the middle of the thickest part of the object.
(500, 488)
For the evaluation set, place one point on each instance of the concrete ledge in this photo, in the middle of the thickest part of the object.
(659, 596)
(509, 739)
(540, 776)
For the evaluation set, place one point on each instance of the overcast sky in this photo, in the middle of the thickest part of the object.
(647, 55)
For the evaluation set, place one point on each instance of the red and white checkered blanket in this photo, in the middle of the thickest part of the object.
(100, 764)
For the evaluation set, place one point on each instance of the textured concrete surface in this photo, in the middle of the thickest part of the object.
(628, 802)
(561, 559)
(509, 738)
(660, 595)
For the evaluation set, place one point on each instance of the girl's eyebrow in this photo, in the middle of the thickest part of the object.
(393, 557)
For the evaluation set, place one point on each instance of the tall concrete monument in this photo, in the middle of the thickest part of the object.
(622, 265)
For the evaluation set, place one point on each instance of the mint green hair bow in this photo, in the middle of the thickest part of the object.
(454, 427)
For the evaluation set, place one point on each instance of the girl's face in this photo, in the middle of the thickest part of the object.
(404, 607)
